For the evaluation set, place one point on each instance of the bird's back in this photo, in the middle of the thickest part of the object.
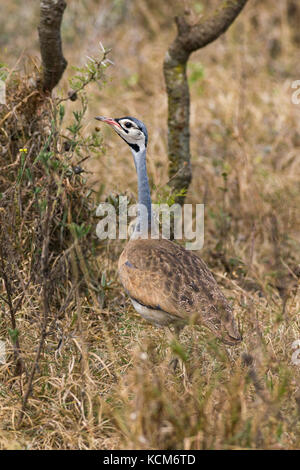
(162, 275)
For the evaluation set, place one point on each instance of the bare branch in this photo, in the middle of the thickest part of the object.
(54, 63)
(189, 38)
(193, 37)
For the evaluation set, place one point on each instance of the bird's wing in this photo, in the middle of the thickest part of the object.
(161, 274)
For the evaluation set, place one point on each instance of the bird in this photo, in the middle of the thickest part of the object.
(169, 286)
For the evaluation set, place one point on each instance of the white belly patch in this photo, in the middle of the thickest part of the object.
(156, 317)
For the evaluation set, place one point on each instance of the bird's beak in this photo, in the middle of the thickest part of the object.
(110, 121)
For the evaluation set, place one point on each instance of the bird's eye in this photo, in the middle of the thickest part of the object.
(128, 125)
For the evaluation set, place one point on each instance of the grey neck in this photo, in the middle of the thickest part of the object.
(144, 197)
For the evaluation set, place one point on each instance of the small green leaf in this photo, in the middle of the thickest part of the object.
(13, 334)
(61, 113)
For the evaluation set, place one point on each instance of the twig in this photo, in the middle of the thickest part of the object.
(24, 100)
(54, 63)
(45, 294)
(189, 38)
(91, 77)
(19, 366)
(249, 362)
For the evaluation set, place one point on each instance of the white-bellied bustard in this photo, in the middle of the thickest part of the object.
(167, 284)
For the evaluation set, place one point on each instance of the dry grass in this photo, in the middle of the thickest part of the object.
(102, 379)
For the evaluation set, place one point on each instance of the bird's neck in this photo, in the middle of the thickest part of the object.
(144, 197)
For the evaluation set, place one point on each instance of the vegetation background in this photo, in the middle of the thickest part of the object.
(92, 374)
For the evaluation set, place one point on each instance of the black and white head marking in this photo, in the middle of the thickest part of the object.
(133, 132)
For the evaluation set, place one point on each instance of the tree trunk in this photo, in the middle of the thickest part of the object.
(189, 38)
(54, 63)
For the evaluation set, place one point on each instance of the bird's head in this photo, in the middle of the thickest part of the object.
(130, 129)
